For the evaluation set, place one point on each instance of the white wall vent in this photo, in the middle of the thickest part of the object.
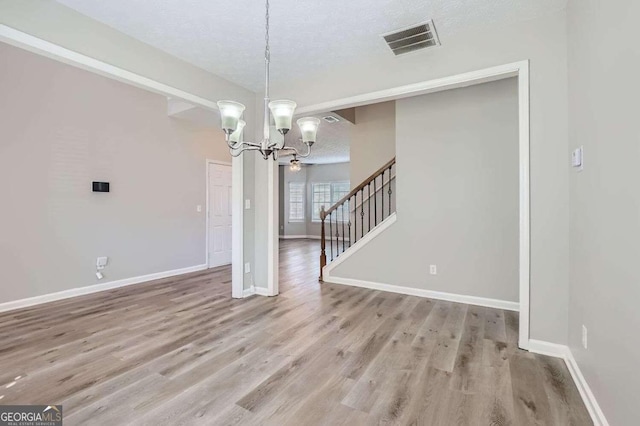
(413, 38)
(331, 119)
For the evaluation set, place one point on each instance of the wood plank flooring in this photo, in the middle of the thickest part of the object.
(181, 351)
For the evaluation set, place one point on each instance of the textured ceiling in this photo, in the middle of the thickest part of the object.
(333, 144)
(227, 37)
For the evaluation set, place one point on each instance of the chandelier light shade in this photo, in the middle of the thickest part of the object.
(309, 129)
(236, 136)
(230, 113)
(282, 112)
(295, 165)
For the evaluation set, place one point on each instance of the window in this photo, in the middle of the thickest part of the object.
(339, 190)
(296, 201)
(327, 194)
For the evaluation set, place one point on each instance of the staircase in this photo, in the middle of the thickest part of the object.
(357, 213)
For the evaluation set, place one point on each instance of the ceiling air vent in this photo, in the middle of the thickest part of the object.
(414, 38)
(331, 119)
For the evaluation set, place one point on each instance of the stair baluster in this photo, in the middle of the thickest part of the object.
(351, 235)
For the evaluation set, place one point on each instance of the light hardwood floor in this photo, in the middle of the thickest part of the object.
(181, 351)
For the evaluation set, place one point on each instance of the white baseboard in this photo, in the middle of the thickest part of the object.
(80, 291)
(411, 291)
(564, 352)
(546, 348)
(300, 237)
(260, 291)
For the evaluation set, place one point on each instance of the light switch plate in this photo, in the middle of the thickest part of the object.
(577, 158)
(247, 204)
(199, 208)
(433, 269)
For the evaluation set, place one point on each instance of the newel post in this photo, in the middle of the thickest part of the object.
(323, 254)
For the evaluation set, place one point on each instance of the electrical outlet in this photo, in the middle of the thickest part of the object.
(199, 208)
(247, 268)
(433, 269)
(584, 336)
(247, 204)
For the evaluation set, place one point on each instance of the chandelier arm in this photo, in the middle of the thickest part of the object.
(251, 144)
(234, 153)
(240, 144)
(237, 151)
(296, 151)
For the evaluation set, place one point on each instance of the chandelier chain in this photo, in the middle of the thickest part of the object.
(267, 51)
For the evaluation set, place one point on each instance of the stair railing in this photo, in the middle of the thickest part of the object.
(357, 213)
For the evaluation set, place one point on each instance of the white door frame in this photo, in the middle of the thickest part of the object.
(517, 69)
(61, 54)
(237, 212)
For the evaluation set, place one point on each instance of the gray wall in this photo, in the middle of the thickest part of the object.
(373, 139)
(317, 173)
(543, 42)
(457, 196)
(51, 21)
(63, 128)
(604, 66)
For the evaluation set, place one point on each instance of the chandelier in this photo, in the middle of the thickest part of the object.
(282, 113)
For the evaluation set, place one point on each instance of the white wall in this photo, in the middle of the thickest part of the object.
(543, 42)
(604, 65)
(310, 174)
(457, 196)
(62, 128)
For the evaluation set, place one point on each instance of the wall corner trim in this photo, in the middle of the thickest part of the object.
(564, 352)
(95, 288)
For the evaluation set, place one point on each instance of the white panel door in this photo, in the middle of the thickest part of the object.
(219, 176)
